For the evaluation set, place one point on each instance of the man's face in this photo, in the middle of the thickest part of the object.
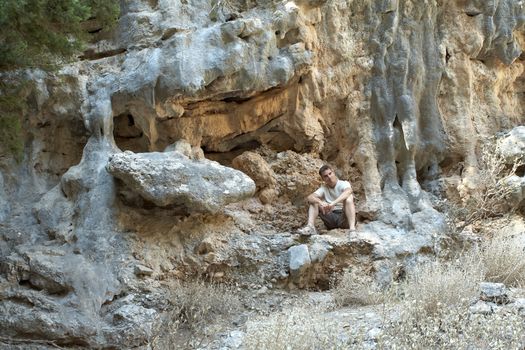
(329, 177)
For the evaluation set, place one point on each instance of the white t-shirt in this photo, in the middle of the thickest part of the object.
(331, 194)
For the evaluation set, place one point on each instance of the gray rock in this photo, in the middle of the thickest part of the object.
(299, 260)
(132, 324)
(373, 333)
(482, 307)
(318, 252)
(141, 270)
(429, 222)
(50, 272)
(384, 274)
(172, 179)
(499, 41)
(516, 187)
(27, 311)
(182, 147)
(512, 145)
(135, 314)
(494, 292)
(519, 305)
(4, 204)
(54, 213)
(234, 340)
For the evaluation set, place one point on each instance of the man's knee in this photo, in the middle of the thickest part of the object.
(315, 205)
(349, 200)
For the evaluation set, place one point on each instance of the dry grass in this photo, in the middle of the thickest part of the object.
(357, 288)
(435, 311)
(297, 328)
(199, 302)
(429, 285)
(495, 188)
(439, 285)
(453, 328)
(504, 260)
(198, 309)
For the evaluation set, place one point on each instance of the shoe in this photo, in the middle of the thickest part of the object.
(307, 231)
(351, 232)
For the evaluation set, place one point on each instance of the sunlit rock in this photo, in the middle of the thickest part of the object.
(171, 179)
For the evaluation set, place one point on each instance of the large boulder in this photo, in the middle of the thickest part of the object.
(299, 260)
(172, 179)
(258, 169)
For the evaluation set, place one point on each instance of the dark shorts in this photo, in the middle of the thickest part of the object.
(334, 219)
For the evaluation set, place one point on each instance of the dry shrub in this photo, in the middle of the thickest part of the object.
(441, 285)
(435, 312)
(356, 288)
(297, 328)
(504, 260)
(197, 302)
(454, 328)
(196, 306)
(492, 197)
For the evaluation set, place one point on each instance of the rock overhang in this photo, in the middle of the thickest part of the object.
(172, 179)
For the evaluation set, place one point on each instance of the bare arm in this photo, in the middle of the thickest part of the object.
(313, 199)
(328, 207)
(346, 193)
(324, 206)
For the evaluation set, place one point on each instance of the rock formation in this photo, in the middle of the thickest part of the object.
(171, 179)
(109, 199)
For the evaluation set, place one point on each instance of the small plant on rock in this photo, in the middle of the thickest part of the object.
(496, 185)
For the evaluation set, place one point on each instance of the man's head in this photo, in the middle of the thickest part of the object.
(328, 175)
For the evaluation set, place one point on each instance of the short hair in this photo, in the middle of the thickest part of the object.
(324, 168)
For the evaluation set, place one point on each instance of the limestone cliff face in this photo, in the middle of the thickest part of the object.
(395, 93)
(400, 89)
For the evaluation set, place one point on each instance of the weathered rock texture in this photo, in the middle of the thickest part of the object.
(172, 179)
(396, 94)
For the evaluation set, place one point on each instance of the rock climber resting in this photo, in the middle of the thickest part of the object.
(333, 202)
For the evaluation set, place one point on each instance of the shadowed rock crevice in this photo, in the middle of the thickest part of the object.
(128, 135)
(92, 55)
(218, 125)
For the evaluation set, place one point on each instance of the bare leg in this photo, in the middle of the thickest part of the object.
(309, 229)
(349, 209)
(313, 212)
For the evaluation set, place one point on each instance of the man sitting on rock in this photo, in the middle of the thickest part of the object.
(333, 202)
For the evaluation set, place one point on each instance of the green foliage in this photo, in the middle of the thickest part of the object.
(38, 33)
(12, 107)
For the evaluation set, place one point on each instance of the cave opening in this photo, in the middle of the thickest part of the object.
(226, 158)
(520, 170)
(400, 152)
(128, 135)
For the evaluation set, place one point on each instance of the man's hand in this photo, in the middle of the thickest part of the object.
(326, 207)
